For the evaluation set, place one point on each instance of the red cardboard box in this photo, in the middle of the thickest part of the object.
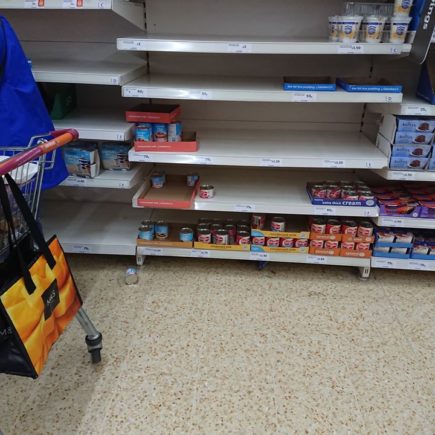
(161, 113)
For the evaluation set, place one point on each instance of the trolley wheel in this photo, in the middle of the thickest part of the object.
(95, 356)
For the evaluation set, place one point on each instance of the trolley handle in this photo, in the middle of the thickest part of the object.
(60, 138)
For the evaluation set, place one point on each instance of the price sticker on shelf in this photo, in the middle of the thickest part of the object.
(415, 110)
(202, 95)
(259, 256)
(139, 157)
(418, 265)
(197, 253)
(130, 44)
(350, 49)
(393, 221)
(368, 212)
(385, 263)
(244, 208)
(271, 162)
(145, 250)
(304, 97)
(72, 180)
(34, 4)
(201, 160)
(325, 210)
(388, 99)
(133, 92)
(317, 259)
(404, 176)
(114, 80)
(69, 4)
(239, 47)
(396, 49)
(334, 163)
(79, 249)
(120, 136)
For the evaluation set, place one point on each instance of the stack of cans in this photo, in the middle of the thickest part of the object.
(225, 232)
(347, 190)
(158, 132)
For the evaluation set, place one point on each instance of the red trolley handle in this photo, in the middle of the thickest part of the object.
(60, 138)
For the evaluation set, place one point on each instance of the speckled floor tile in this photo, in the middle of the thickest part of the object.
(204, 347)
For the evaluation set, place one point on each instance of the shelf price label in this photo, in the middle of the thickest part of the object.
(202, 95)
(350, 49)
(72, 4)
(34, 4)
(259, 256)
(418, 265)
(334, 163)
(385, 263)
(201, 160)
(416, 110)
(75, 181)
(393, 221)
(304, 97)
(271, 162)
(200, 253)
(239, 47)
(144, 250)
(79, 249)
(130, 44)
(325, 210)
(317, 259)
(244, 208)
(405, 176)
(134, 92)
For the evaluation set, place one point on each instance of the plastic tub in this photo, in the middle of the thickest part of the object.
(398, 29)
(372, 28)
(349, 28)
(334, 28)
(402, 7)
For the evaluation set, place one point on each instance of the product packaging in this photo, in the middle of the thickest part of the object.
(114, 156)
(82, 159)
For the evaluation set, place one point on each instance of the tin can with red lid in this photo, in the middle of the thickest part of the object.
(221, 237)
(277, 224)
(349, 227)
(243, 238)
(258, 221)
(317, 243)
(333, 226)
(350, 246)
(215, 227)
(204, 235)
(272, 242)
(318, 225)
(333, 191)
(287, 242)
(258, 241)
(350, 195)
(318, 190)
(365, 229)
(206, 191)
(331, 244)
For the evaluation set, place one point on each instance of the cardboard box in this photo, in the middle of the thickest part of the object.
(189, 144)
(340, 202)
(411, 150)
(355, 254)
(160, 113)
(315, 84)
(174, 194)
(82, 159)
(281, 234)
(424, 124)
(364, 84)
(350, 238)
(383, 254)
(389, 130)
(211, 246)
(323, 251)
(255, 248)
(333, 237)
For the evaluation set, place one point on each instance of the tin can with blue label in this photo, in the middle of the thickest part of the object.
(186, 234)
(144, 132)
(175, 131)
(158, 179)
(150, 223)
(160, 132)
(192, 179)
(131, 276)
(162, 230)
(146, 232)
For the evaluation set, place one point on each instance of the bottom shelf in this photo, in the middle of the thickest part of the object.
(406, 264)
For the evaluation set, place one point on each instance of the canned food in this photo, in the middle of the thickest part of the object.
(362, 246)
(318, 190)
(316, 243)
(333, 226)
(144, 132)
(365, 229)
(287, 243)
(333, 191)
(150, 223)
(232, 232)
(243, 227)
(331, 244)
(221, 237)
(318, 226)
(192, 179)
(277, 224)
(204, 235)
(131, 276)
(215, 227)
(162, 230)
(158, 179)
(175, 130)
(258, 221)
(366, 195)
(350, 227)
(301, 243)
(186, 234)
(202, 221)
(350, 246)
(206, 191)
(350, 195)
(243, 238)
(160, 132)
(272, 242)
(258, 241)
(146, 232)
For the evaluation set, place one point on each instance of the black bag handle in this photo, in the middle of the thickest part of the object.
(4, 200)
(31, 222)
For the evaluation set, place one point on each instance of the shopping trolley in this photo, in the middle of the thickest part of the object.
(26, 165)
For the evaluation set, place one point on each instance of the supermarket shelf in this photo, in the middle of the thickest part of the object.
(98, 124)
(403, 222)
(293, 149)
(93, 228)
(389, 174)
(254, 256)
(260, 89)
(131, 11)
(109, 179)
(266, 191)
(219, 44)
(106, 72)
(407, 264)
(409, 106)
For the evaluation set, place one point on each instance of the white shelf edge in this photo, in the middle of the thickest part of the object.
(390, 174)
(409, 106)
(405, 264)
(403, 222)
(108, 179)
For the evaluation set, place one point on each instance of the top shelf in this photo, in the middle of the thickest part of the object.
(409, 106)
(131, 11)
(219, 44)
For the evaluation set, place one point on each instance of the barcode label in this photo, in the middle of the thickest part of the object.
(317, 259)
(350, 49)
(324, 210)
(259, 256)
(304, 97)
(271, 162)
(334, 163)
(239, 47)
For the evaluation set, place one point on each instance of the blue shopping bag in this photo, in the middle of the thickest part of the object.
(22, 110)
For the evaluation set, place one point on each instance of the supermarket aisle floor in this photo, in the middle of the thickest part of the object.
(211, 347)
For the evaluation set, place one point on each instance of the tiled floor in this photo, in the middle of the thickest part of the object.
(211, 347)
